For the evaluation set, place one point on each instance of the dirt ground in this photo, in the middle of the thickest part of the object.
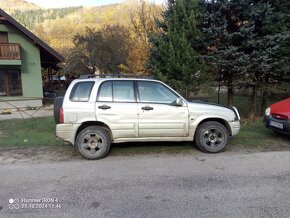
(68, 153)
(38, 154)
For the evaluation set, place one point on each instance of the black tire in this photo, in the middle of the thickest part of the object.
(93, 142)
(56, 108)
(211, 137)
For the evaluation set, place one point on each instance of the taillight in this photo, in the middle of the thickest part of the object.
(61, 120)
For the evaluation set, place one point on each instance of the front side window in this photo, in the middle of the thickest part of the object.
(81, 91)
(155, 92)
(123, 91)
(117, 91)
(10, 83)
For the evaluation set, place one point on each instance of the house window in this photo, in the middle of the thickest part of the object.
(10, 83)
(3, 37)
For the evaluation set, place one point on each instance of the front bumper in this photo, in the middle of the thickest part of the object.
(282, 126)
(235, 127)
(67, 132)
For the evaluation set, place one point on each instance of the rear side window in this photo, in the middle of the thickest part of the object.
(106, 92)
(117, 91)
(81, 91)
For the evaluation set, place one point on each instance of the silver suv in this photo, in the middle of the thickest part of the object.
(96, 112)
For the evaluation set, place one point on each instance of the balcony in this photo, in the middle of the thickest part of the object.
(10, 51)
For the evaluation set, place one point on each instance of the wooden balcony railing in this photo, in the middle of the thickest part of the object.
(10, 51)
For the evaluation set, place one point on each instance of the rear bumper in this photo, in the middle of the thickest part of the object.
(284, 125)
(67, 132)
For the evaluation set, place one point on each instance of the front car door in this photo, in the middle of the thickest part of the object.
(159, 116)
(116, 106)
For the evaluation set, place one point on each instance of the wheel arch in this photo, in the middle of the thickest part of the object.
(94, 123)
(219, 120)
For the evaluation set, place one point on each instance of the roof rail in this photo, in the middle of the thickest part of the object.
(87, 76)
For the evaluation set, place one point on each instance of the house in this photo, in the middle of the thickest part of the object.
(22, 57)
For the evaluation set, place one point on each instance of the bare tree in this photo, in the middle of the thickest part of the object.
(102, 51)
(142, 26)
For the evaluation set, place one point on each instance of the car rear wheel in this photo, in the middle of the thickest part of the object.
(93, 142)
(211, 137)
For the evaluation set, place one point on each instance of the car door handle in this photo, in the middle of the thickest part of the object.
(147, 108)
(104, 107)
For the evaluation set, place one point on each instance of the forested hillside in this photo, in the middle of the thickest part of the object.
(10, 5)
(60, 31)
(58, 26)
(120, 31)
(30, 18)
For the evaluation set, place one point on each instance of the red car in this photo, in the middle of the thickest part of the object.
(277, 117)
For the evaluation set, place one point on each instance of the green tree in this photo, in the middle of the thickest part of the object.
(266, 62)
(234, 42)
(225, 31)
(172, 56)
(280, 24)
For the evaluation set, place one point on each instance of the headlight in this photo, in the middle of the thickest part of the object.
(237, 114)
(268, 111)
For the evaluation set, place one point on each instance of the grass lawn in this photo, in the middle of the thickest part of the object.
(28, 132)
(241, 102)
(255, 135)
(39, 132)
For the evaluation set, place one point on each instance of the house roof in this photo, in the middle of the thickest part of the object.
(48, 55)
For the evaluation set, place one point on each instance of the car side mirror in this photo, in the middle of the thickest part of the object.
(179, 102)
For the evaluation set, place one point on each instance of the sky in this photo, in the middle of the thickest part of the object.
(67, 3)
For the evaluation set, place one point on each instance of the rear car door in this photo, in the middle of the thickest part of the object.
(158, 115)
(116, 106)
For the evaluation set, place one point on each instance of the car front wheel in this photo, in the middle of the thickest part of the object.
(93, 142)
(211, 137)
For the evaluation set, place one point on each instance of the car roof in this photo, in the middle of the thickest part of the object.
(120, 75)
(115, 79)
